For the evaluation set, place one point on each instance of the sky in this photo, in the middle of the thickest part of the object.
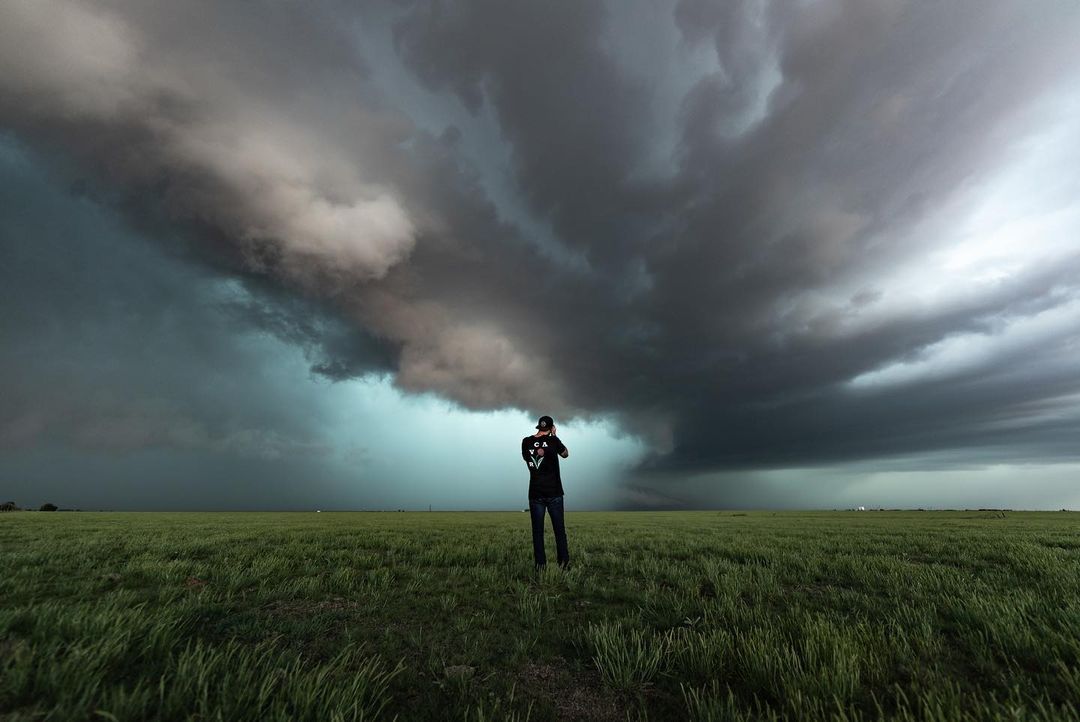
(749, 254)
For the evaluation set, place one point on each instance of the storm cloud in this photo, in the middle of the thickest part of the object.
(753, 235)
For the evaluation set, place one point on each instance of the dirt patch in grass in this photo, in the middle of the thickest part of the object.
(576, 695)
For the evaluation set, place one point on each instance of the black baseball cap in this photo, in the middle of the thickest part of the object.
(546, 422)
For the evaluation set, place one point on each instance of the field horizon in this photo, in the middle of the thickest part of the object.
(656, 510)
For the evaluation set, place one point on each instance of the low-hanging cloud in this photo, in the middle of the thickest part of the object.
(755, 234)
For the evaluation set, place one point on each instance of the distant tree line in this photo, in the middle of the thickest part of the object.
(12, 506)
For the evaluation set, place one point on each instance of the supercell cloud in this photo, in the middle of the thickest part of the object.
(752, 235)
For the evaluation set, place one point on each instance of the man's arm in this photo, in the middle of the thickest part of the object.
(525, 453)
(563, 451)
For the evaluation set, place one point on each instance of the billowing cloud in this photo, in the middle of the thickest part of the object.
(754, 234)
(260, 178)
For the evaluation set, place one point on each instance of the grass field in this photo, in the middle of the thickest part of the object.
(682, 615)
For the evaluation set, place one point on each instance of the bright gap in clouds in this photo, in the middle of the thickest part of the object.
(1009, 231)
(452, 458)
(966, 353)
(1026, 217)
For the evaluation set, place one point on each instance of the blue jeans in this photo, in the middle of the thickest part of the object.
(554, 507)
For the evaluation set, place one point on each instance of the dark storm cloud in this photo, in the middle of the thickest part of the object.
(767, 231)
(800, 169)
(572, 118)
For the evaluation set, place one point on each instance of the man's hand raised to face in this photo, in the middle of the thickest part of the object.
(565, 452)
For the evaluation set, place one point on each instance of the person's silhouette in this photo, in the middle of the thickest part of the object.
(541, 452)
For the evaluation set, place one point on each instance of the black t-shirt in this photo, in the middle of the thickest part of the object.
(541, 454)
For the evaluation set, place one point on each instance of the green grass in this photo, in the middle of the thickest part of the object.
(684, 615)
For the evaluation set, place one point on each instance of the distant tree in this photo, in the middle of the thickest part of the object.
(9, 506)
(48, 507)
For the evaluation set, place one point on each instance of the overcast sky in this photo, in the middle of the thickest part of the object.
(340, 255)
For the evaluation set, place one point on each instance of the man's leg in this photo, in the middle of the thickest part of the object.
(536, 513)
(555, 508)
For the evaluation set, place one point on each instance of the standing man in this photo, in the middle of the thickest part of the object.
(541, 451)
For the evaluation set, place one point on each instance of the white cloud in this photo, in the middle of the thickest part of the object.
(965, 354)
